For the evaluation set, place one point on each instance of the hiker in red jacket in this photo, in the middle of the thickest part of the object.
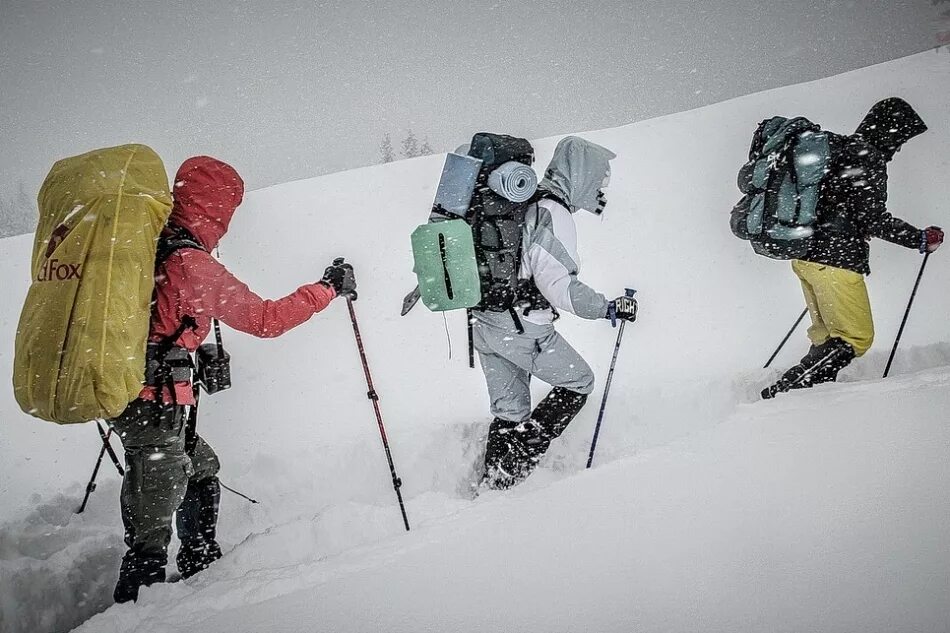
(191, 288)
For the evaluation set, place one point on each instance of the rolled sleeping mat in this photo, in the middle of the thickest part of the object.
(513, 181)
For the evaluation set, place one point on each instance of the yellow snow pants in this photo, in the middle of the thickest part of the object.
(838, 304)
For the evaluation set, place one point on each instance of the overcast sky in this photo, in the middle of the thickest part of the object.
(291, 89)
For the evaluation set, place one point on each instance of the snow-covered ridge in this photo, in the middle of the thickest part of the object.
(698, 495)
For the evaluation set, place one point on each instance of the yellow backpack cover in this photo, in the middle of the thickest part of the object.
(80, 342)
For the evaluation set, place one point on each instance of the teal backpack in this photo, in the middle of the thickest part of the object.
(781, 183)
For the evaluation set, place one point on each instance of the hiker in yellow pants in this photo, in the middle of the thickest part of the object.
(838, 305)
(852, 208)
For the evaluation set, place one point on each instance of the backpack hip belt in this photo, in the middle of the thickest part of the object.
(164, 359)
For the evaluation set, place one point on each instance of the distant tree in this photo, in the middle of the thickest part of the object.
(17, 212)
(386, 149)
(410, 145)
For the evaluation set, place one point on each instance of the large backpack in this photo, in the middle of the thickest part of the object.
(781, 181)
(473, 260)
(81, 339)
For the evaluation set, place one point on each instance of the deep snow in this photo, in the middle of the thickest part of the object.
(818, 511)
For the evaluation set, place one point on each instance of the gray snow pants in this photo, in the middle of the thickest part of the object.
(157, 471)
(510, 359)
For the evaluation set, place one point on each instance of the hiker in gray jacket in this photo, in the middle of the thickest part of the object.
(518, 436)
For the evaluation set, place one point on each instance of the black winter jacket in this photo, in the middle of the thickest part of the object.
(852, 208)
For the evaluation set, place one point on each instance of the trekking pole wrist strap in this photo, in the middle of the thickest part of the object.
(612, 313)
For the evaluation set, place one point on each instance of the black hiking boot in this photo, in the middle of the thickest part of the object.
(508, 458)
(821, 364)
(828, 372)
(138, 570)
(514, 450)
(197, 520)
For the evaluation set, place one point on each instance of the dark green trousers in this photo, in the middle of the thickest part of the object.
(157, 474)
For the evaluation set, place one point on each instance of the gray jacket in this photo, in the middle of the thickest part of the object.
(577, 172)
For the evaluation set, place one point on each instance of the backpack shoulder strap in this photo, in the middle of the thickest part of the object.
(544, 194)
(179, 238)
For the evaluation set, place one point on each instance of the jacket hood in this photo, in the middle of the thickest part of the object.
(577, 172)
(206, 193)
(889, 124)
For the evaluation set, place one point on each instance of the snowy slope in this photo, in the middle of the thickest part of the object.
(815, 513)
(689, 484)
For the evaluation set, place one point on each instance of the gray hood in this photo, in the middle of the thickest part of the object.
(577, 171)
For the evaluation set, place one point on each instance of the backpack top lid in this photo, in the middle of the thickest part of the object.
(133, 171)
(769, 143)
(772, 134)
(495, 150)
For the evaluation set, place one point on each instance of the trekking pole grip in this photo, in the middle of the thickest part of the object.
(339, 261)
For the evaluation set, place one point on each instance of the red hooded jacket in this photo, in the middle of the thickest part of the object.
(193, 283)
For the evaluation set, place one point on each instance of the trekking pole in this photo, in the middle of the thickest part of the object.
(785, 340)
(906, 314)
(610, 377)
(191, 425)
(240, 494)
(371, 394)
(105, 440)
(106, 446)
(471, 339)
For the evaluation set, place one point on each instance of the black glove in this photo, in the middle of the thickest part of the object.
(624, 308)
(340, 277)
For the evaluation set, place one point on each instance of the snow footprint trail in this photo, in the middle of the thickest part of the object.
(68, 562)
(58, 568)
(266, 548)
(812, 512)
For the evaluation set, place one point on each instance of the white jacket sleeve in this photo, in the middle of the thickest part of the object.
(551, 259)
